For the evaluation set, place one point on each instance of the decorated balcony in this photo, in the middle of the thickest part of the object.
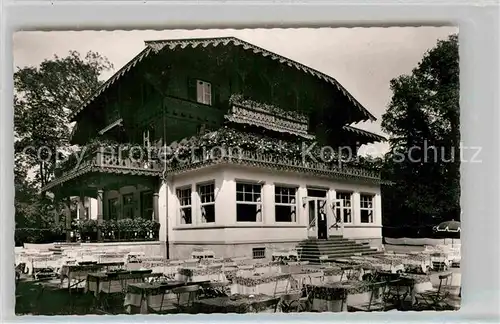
(230, 146)
(107, 157)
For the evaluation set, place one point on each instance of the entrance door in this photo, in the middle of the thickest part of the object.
(318, 220)
(322, 220)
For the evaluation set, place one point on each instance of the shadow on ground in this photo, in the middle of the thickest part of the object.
(46, 298)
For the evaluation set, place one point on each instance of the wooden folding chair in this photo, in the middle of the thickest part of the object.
(378, 299)
(293, 302)
(435, 298)
(186, 297)
(213, 289)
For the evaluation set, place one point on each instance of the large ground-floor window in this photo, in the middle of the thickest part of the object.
(128, 205)
(147, 204)
(206, 192)
(346, 209)
(285, 204)
(184, 196)
(248, 202)
(366, 208)
(113, 208)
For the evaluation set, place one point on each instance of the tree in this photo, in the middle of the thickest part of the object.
(422, 121)
(44, 96)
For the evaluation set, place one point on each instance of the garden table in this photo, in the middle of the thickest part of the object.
(189, 274)
(335, 296)
(238, 304)
(155, 296)
(78, 273)
(102, 282)
(269, 284)
(417, 263)
(104, 285)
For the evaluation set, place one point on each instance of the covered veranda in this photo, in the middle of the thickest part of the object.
(93, 180)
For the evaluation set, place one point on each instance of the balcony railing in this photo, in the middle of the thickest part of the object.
(116, 160)
(281, 162)
(111, 159)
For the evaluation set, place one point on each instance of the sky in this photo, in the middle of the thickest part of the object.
(363, 60)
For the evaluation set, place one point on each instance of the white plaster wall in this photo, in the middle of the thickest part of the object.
(362, 232)
(226, 229)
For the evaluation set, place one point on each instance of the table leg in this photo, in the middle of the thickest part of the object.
(144, 304)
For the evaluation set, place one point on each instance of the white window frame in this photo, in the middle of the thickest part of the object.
(181, 208)
(258, 217)
(203, 204)
(364, 205)
(204, 92)
(344, 205)
(293, 205)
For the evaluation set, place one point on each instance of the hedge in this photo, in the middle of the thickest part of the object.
(417, 232)
(137, 229)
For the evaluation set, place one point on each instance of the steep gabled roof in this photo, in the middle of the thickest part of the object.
(159, 45)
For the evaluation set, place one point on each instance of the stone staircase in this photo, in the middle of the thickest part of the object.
(336, 247)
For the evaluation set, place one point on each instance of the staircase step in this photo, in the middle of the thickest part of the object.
(330, 245)
(336, 247)
(326, 247)
(357, 250)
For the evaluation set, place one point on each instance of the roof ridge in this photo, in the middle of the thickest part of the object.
(158, 45)
(190, 39)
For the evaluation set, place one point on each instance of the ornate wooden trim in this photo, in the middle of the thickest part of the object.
(111, 165)
(245, 115)
(352, 174)
(362, 132)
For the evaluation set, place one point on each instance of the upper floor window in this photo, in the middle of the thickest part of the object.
(366, 208)
(146, 139)
(206, 193)
(346, 198)
(285, 203)
(184, 197)
(203, 92)
(248, 202)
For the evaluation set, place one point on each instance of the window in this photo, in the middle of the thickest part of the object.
(366, 208)
(184, 196)
(203, 92)
(113, 208)
(346, 197)
(87, 213)
(206, 193)
(128, 205)
(145, 138)
(248, 202)
(147, 205)
(259, 253)
(285, 204)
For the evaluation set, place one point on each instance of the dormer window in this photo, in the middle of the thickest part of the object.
(203, 92)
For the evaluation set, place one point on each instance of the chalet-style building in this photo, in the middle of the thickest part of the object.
(227, 146)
